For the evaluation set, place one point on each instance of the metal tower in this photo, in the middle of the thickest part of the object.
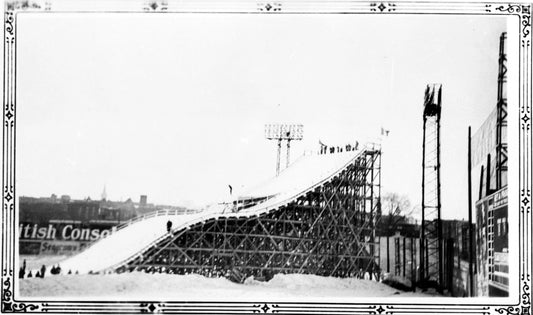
(501, 122)
(431, 231)
(282, 132)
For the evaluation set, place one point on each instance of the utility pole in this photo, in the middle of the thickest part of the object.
(470, 223)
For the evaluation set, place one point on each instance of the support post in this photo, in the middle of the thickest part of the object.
(470, 224)
(488, 189)
(403, 249)
(440, 257)
(279, 157)
(372, 219)
(288, 152)
(423, 223)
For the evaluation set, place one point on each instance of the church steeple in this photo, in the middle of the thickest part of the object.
(104, 194)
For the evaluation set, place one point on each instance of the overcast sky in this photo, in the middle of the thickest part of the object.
(174, 105)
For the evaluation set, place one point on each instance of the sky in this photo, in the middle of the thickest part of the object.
(174, 105)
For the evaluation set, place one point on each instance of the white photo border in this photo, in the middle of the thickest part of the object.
(10, 303)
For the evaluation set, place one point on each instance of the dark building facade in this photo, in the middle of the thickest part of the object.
(50, 226)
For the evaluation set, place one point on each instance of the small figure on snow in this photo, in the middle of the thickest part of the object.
(22, 270)
(169, 226)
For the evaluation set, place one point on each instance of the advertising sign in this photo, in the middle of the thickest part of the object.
(59, 238)
(492, 245)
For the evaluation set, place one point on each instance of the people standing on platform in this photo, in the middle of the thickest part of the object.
(169, 226)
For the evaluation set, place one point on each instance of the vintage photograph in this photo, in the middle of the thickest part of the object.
(264, 157)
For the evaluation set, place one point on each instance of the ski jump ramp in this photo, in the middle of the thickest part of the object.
(317, 216)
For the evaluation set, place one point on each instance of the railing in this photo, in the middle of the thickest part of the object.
(246, 213)
(148, 215)
(152, 214)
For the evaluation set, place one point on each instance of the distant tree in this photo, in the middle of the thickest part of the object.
(395, 208)
(395, 204)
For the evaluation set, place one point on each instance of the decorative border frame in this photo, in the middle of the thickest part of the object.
(9, 303)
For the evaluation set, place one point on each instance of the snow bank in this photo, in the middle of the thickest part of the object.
(132, 286)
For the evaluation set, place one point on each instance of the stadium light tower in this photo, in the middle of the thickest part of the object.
(282, 132)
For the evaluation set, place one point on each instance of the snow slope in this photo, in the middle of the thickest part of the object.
(140, 285)
(306, 173)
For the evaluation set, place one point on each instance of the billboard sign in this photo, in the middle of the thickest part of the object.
(492, 245)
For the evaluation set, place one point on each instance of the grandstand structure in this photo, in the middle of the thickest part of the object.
(318, 216)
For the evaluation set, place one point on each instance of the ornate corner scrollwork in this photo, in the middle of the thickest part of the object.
(526, 294)
(8, 304)
(379, 309)
(9, 19)
(526, 25)
(382, 7)
(8, 197)
(269, 7)
(9, 108)
(511, 8)
(151, 307)
(525, 202)
(508, 310)
(156, 5)
(525, 16)
(525, 118)
(525, 301)
(265, 308)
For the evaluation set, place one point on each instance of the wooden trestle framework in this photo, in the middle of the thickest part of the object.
(328, 231)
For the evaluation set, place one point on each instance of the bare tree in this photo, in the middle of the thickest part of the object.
(396, 208)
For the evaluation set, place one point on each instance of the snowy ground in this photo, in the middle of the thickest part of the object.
(137, 285)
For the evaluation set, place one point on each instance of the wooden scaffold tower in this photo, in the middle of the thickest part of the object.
(329, 231)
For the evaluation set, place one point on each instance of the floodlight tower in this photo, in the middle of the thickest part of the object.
(431, 229)
(282, 132)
